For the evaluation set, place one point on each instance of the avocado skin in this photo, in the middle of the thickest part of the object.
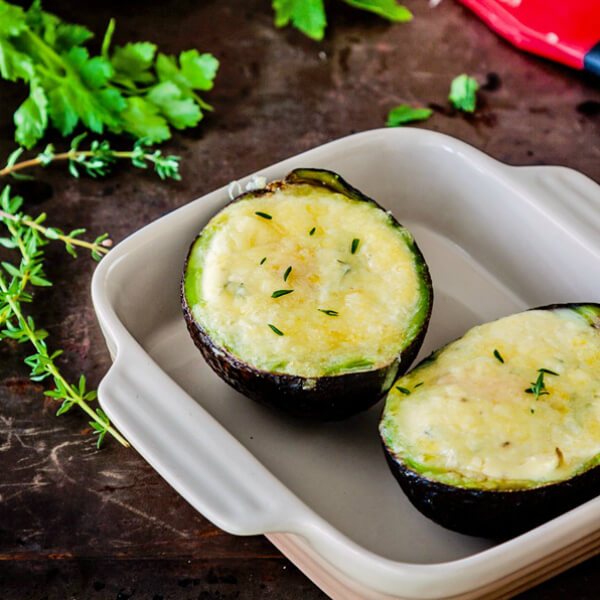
(325, 398)
(489, 513)
(503, 513)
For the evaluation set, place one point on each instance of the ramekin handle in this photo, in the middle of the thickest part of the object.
(186, 447)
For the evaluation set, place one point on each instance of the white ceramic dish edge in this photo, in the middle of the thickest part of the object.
(241, 496)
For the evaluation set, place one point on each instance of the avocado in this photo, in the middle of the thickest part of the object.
(307, 296)
(499, 431)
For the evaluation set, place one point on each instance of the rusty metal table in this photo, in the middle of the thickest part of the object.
(86, 524)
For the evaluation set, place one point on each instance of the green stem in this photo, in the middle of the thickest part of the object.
(45, 51)
(15, 234)
(51, 368)
(64, 238)
(25, 277)
(71, 155)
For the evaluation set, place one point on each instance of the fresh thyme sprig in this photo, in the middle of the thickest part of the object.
(98, 247)
(22, 329)
(16, 326)
(538, 387)
(28, 236)
(97, 160)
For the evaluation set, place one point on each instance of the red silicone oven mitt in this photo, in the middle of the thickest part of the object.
(564, 30)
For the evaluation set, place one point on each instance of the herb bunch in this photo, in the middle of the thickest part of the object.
(27, 236)
(131, 89)
(538, 387)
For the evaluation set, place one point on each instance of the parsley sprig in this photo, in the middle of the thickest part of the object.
(132, 89)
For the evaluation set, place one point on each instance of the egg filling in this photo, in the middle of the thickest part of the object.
(512, 404)
(303, 280)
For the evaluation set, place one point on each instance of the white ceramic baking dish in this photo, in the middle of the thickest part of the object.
(498, 239)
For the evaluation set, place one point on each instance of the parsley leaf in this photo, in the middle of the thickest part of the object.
(406, 114)
(68, 35)
(12, 19)
(196, 72)
(13, 64)
(142, 119)
(309, 15)
(198, 69)
(388, 9)
(132, 62)
(463, 93)
(306, 15)
(180, 112)
(31, 118)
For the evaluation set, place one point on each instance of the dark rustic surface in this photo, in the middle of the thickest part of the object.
(77, 523)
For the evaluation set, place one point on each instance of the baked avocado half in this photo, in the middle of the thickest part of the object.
(499, 430)
(307, 296)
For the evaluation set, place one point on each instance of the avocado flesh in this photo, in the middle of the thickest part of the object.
(477, 453)
(360, 313)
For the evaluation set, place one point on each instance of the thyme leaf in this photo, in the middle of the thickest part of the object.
(548, 371)
(498, 356)
(264, 215)
(354, 246)
(277, 331)
(330, 313)
(279, 293)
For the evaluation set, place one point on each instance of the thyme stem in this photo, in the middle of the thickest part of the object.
(76, 155)
(49, 366)
(28, 235)
(64, 238)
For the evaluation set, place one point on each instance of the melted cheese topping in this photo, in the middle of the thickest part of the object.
(375, 291)
(471, 420)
